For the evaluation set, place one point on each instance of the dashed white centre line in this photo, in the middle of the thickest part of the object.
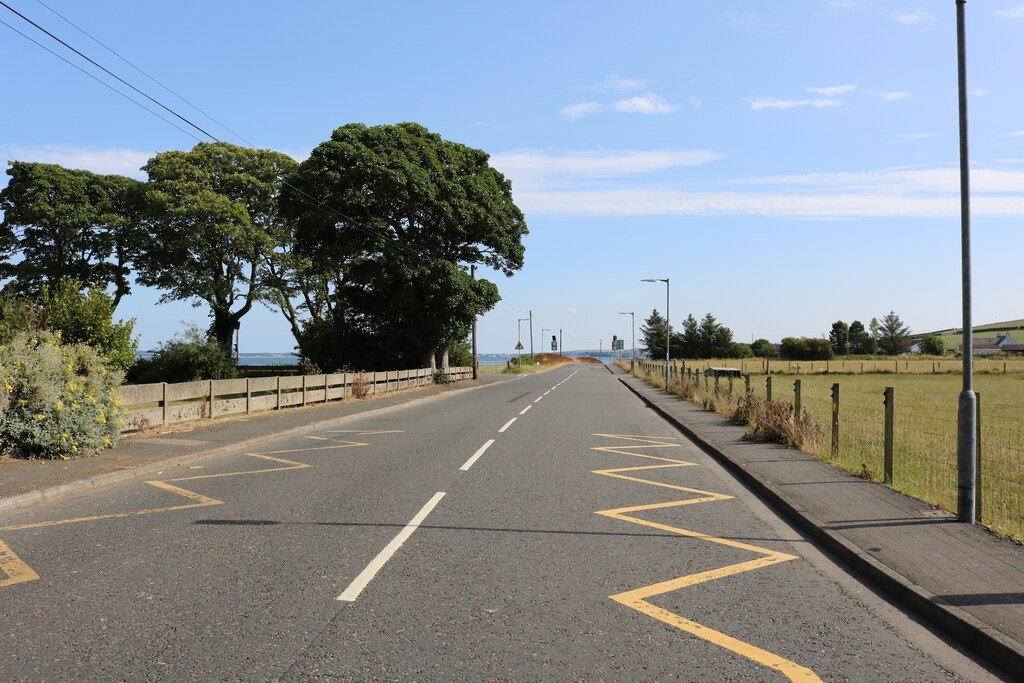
(523, 411)
(507, 425)
(364, 578)
(476, 456)
(538, 399)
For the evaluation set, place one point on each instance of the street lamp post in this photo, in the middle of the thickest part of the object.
(632, 319)
(668, 324)
(967, 413)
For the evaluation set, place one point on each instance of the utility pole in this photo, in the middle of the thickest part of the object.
(476, 362)
(967, 413)
(561, 349)
(531, 333)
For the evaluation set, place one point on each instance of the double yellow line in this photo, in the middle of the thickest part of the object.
(638, 598)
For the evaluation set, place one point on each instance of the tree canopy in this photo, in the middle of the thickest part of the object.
(62, 222)
(211, 218)
(893, 335)
(393, 216)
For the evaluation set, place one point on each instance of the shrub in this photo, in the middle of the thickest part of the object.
(186, 358)
(87, 317)
(804, 348)
(17, 315)
(57, 400)
(442, 377)
(777, 422)
(361, 386)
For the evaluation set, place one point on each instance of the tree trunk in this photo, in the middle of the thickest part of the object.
(223, 328)
(441, 359)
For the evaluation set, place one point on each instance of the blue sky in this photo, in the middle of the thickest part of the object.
(785, 164)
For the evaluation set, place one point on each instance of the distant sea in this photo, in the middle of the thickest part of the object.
(292, 359)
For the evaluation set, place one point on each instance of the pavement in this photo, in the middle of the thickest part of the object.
(959, 577)
(27, 482)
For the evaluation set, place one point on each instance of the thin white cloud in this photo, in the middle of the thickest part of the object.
(896, 192)
(1016, 133)
(848, 6)
(833, 90)
(645, 104)
(543, 167)
(775, 103)
(981, 92)
(1015, 12)
(95, 159)
(914, 18)
(617, 84)
(580, 109)
(895, 95)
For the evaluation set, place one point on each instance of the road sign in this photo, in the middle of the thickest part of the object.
(519, 346)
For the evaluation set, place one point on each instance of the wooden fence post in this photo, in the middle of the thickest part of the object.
(248, 396)
(835, 420)
(279, 392)
(890, 429)
(211, 399)
(796, 398)
(163, 403)
(768, 388)
(303, 390)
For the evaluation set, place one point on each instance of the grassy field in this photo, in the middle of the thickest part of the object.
(924, 460)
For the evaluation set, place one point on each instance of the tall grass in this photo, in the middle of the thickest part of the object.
(925, 441)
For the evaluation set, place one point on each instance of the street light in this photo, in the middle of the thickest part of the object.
(633, 326)
(668, 324)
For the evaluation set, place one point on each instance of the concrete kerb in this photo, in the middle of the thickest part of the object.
(976, 636)
(54, 492)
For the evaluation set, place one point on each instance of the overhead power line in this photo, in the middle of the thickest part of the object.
(141, 71)
(303, 196)
(108, 71)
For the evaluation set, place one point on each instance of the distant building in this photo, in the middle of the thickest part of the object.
(983, 346)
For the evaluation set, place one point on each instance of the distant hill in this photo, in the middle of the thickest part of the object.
(953, 336)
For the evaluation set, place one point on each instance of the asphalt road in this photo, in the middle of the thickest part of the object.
(446, 541)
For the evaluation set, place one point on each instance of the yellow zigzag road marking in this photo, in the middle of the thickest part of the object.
(637, 598)
(13, 568)
(17, 571)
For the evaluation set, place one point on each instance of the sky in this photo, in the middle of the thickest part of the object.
(784, 164)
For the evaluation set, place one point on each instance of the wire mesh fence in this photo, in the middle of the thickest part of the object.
(922, 433)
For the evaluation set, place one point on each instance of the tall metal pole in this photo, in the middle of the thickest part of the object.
(521, 340)
(476, 362)
(668, 325)
(966, 439)
(668, 332)
(561, 349)
(531, 333)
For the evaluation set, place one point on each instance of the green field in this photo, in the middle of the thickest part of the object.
(924, 462)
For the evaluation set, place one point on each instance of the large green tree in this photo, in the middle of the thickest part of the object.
(60, 222)
(211, 221)
(893, 335)
(394, 216)
(860, 341)
(840, 337)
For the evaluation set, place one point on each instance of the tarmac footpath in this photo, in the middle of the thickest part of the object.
(27, 482)
(957, 576)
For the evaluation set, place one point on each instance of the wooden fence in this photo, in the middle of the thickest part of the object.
(160, 404)
(897, 366)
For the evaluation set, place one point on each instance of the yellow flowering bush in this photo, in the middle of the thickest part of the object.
(56, 400)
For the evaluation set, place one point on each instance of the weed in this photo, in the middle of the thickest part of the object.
(361, 386)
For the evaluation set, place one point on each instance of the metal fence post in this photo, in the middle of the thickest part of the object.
(835, 420)
(890, 429)
(796, 398)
